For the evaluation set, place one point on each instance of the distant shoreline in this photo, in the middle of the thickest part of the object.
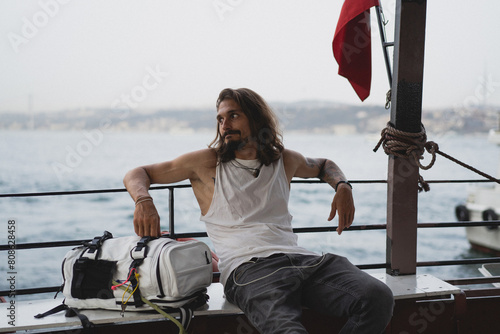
(308, 117)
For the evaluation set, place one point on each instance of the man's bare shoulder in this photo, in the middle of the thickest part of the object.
(291, 160)
(206, 158)
(202, 163)
(298, 165)
(291, 157)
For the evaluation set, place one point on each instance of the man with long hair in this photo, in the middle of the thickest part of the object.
(242, 184)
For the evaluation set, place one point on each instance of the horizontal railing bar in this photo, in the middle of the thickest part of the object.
(48, 244)
(350, 181)
(459, 181)
(118, 190)
(459, 224)
(473, 280)
(372, 266)
(334, 228)
(384, 226)
(192, 235)
(436, 263)
(482, 292)
(84, 192)
(315, 229)
(31, 291)
(458, 262)
(63, 193)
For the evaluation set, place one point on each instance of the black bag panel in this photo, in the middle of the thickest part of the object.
(92, 279)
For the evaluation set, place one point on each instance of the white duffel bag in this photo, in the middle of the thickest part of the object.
(118, 273)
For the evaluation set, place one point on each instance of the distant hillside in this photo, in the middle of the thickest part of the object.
(306, 116)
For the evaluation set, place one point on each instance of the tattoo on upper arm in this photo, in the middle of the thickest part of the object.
(312, 163)
(330, 173)
(317, 163)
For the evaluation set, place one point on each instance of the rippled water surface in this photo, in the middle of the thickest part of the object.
(61, 161)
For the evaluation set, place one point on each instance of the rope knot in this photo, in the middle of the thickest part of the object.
(408, 144)
(405, 144)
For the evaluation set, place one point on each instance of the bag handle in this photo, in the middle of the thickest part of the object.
(138, 254)
(140, 251)
(94, 247)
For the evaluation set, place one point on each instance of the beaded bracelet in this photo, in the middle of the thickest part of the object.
(346, 182)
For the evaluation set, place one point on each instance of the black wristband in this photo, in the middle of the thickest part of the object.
(346, 182)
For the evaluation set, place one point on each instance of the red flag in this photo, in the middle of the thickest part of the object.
(352, 45)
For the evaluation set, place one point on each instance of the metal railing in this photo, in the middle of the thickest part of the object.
(318, 229)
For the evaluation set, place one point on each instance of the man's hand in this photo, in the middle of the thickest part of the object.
(343, 203)
(146, 220)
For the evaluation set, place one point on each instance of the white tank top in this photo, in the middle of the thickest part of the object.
(249, 216)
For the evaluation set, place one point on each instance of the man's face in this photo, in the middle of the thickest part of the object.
(234, 126)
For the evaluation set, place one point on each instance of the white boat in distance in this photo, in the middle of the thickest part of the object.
(483, 204)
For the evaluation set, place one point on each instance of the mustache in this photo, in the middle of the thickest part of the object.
(231, 132)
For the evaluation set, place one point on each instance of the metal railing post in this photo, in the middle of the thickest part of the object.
(171, 227)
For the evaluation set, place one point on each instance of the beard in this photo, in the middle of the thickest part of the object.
(228, 149)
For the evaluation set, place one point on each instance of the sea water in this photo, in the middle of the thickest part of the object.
(38, 161)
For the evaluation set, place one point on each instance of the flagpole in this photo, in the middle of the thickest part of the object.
(385, 44)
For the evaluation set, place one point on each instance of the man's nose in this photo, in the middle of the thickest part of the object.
(225, 125)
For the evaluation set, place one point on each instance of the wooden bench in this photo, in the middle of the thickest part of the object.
(216, 310)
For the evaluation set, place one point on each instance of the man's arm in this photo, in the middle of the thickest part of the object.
(138, 180)
(326, 170)
(146, 218)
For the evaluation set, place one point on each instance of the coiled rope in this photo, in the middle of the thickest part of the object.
(407, 144)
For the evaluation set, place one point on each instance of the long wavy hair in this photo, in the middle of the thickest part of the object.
(263, 126)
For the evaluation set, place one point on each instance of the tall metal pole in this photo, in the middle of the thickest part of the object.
(385, 44)
(406, 115)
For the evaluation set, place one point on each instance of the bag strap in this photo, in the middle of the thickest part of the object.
(185, 313)
(54, 310)
(138, 254)
(87, 325)
(185, 316)
(70, 312)
(94, 247)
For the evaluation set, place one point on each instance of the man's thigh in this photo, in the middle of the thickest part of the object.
(262, 278)
(267, 290)
(338, 288)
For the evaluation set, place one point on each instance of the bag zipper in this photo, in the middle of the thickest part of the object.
(158, 275)
(64, 279)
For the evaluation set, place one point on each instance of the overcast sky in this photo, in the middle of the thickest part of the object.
(167, 54)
